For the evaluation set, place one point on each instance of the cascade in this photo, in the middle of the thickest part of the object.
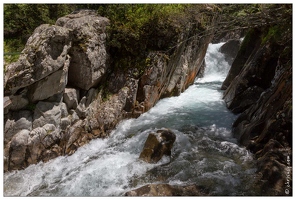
(204, 153)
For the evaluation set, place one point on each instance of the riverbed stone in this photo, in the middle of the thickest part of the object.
(164, 189)
(265, 124)
(157, 145)
(230, 49)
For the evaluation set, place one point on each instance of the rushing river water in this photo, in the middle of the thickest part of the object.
(204, 153)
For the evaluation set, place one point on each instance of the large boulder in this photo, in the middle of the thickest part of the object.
(38, 59)
(88, 53)
(157, 145)
(61, 80)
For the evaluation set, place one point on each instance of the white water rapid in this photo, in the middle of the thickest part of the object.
(204, 153)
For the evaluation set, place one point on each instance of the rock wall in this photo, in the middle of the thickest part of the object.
(259, 86)
(62, 92)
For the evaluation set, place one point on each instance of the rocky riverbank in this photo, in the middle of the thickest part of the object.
(259, 86)
(63, 92)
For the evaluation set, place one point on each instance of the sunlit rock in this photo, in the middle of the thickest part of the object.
(88, 53)
(39, 60)
(157, 145)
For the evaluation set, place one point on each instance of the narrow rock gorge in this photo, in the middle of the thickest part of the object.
(66, 90)
(62, 92)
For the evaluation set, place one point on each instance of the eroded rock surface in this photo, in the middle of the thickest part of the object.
(88, 53)
(157, 145)
(66, 92)
(262, 92)
(36, 87)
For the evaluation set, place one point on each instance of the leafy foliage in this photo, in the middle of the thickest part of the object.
(137, 29)
(22, 19)
(245, 16)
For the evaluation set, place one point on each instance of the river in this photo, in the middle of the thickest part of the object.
(204, 153)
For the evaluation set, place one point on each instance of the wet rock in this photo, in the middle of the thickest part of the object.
(167, 190)
(105, 114)
(17, 150)
(273, 168)
(226, 36)
(238, 102)
(265, 124)
(250, 42)
(75, 133)
(157, 145)
(253, 79)
(230, 49)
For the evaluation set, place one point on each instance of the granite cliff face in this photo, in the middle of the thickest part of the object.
(259, 86)
(62, 92)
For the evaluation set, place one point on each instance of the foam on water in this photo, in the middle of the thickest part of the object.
(205, 153)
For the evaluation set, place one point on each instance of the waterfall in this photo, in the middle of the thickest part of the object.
(205, 153)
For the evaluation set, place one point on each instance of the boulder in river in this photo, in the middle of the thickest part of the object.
(157, 145)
